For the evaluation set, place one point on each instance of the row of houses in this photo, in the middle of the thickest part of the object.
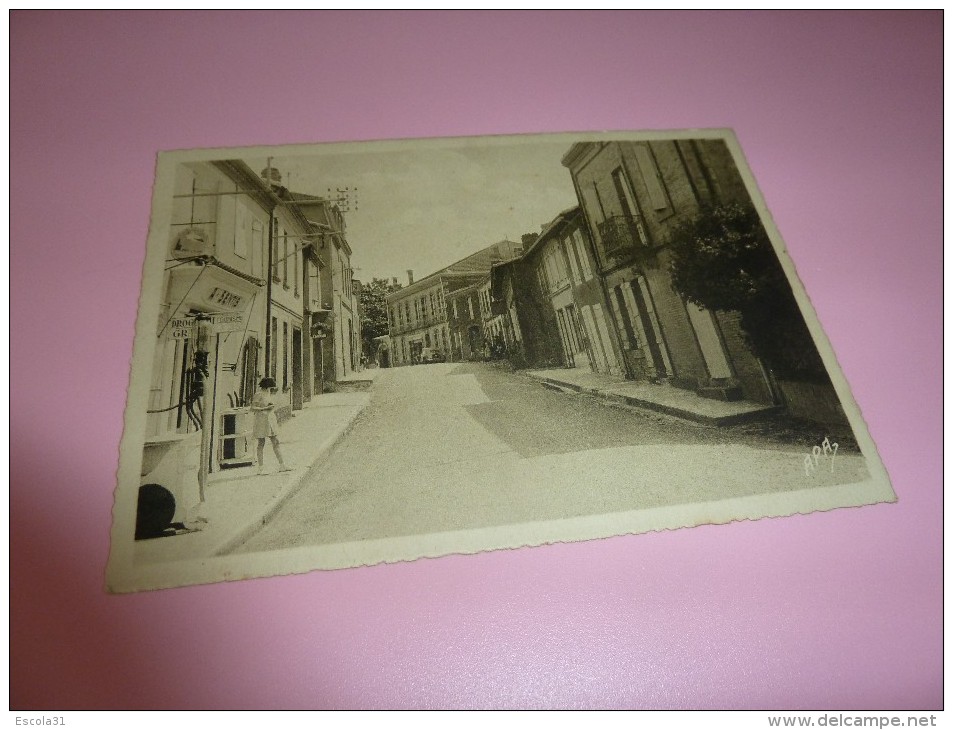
(442, 312)
(258, 282)
(593, 288)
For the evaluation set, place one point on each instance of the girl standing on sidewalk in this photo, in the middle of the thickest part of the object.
(266, 422)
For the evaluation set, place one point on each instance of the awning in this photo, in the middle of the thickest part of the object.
(209, 288)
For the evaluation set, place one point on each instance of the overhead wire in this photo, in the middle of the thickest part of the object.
(184, 297)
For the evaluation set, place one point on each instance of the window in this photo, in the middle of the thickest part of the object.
(571, 256)
(295, 256)
(630, 208)
(284, 257)
(555, 267)
(581, 252)
(652, 178)
(258, 247)
(314, 285)
(622, 312)
(541, 277)
(242, 231)
(470, 306)
(275, 257)
(456, 315)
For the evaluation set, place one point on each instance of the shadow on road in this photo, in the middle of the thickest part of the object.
(535, 420)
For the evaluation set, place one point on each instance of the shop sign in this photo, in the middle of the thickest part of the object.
(182, 328)
(221, 297)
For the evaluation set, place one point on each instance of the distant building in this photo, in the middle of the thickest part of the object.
(551, 301)
(417, 313)
(465, 323)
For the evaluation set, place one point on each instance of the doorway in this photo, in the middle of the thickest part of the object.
(297, 375)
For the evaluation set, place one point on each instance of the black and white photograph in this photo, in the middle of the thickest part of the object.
(361, 353)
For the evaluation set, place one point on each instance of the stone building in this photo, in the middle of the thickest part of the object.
(553, 303)
(633, 195)
(232, 312)
(417, 314)
(465, 323)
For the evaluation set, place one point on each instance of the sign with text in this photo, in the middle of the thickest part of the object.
(183, 328)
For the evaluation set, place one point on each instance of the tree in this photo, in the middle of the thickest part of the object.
(374, 310)
(723, 261)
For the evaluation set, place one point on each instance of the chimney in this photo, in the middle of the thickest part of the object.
(410, 277)
(394, 279)
(271, 176)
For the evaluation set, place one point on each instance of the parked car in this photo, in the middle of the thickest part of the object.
(430, 354)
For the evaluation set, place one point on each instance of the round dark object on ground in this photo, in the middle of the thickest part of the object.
(155, 511)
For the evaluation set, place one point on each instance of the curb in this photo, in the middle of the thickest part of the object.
(634, 402)
(292, 487)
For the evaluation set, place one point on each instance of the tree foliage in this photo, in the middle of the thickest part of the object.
(374, 309)
(723, 261)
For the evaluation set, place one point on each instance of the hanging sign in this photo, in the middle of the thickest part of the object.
(182, 328)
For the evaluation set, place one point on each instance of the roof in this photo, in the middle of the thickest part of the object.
(328, 213)
(551, 228)
(468, 289)
(475, 265)
(576, 151)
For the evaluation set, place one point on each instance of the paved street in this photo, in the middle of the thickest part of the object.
(458, 446)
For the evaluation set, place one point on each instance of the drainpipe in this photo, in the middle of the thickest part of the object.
(268, 283)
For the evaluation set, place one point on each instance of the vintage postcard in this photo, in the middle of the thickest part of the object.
(349, 354)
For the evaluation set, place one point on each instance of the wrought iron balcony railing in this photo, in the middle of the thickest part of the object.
(620, 232)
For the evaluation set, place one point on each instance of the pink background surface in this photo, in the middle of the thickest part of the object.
(840, 117)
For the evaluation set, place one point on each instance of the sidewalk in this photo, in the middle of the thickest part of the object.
(238, 500)
(358, 380)
(660, 398)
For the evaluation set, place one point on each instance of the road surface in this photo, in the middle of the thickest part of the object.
(446, 447)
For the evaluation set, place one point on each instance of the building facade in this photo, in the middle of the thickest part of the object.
(417, 319)
(232, 312)
(465, 323)
(552, 300)
(418, 313)
(258, 282)
(335, 350)
(633, 196)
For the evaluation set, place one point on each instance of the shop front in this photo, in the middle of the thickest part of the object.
(205, 372)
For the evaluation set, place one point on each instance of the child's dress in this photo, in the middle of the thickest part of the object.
(266, 421)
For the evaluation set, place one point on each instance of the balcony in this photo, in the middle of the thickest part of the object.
(625, 237)
(422, 323)
(620, 232)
